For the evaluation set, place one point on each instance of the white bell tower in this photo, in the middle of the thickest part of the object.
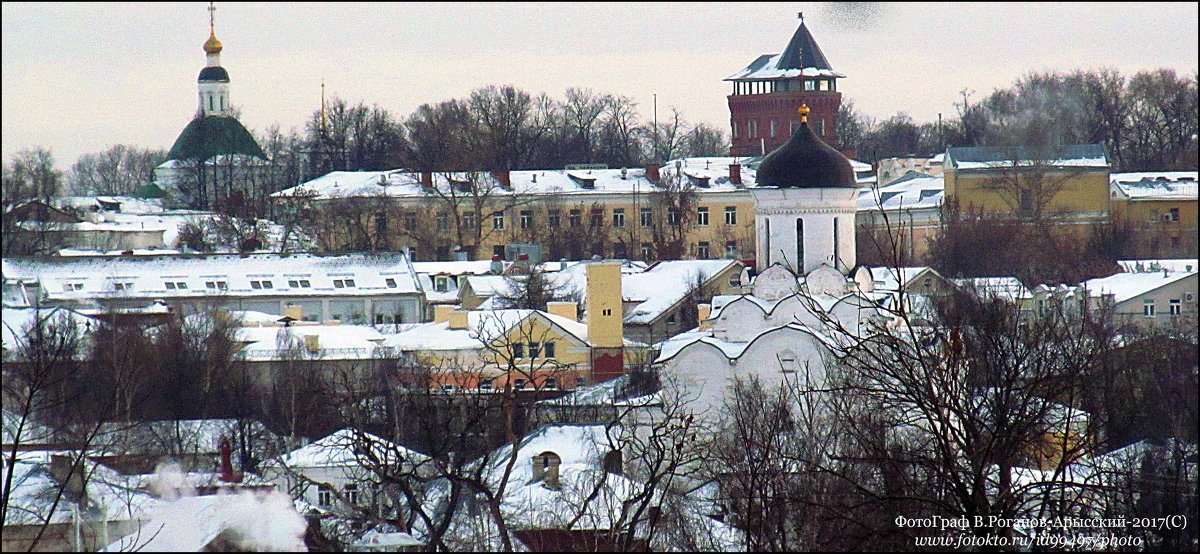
(214, 80)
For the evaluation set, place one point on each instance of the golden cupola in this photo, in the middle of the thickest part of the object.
(212, 45)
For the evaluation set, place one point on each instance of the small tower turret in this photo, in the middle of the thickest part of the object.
(214, 80)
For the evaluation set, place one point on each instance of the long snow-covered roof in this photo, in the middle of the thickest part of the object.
(1124, 286)
(999, 157)
(372, 274)
(1168, 185)
(401, 183)
(486, 324)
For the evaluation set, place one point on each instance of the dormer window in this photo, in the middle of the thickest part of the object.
(390, 282)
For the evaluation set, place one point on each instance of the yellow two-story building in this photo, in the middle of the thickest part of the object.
(1062, 186)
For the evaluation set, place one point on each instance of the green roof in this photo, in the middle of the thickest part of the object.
(149, 190)
(214, 135)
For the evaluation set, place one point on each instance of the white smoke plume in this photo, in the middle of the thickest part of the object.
(265, 522)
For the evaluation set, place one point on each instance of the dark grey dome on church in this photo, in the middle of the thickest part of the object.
(214, 135)
(805, 161)
(213, 73)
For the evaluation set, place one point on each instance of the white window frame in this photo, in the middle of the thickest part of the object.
(1148, 308)
(702, 216)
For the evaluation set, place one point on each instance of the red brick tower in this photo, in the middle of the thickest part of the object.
(768, 93)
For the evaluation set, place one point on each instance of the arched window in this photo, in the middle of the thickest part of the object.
(222, 102)
(210, 103)
(800, 244)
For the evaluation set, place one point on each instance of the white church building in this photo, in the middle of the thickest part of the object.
(808, 295)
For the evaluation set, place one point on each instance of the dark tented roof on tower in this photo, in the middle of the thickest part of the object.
(802, 51)
(214, 135)
(801, 58)
(214, 73)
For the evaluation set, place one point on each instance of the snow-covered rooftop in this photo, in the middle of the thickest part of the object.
(1124, 286)
(767, 67)
(492, 325)
(1169, 185)
(993, 157)
(1156, 266)
(1009, 288)
(914, 191)
(343, 448)
(211, 275)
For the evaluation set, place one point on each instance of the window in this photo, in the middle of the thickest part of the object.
(1176, 307)
(1026, 202)
(486, 384)
(647, 217)
(447, 388)
(67, 287)
(702, 250)
(341, 283)
(170, 286)
(498, 221)
(293, 283)
(1148, 308)
(820, 126)
(735, 280)
(671, 320)
(551, 383)
(810, 85)
(305, 284)
(526, 219)
(837, 242)
(381, 223)
(774, 129)
(735, 129)
(470, 219)
(548, 351)
(222, 285)
(390, 282)
(410, 221)
(792, 126)
(647, 250)
(787, 361)
(535, 348)
(555, 219)
(673, 217)
(753, 129)
(258, 284)
(441, 284)
(800, 242)
(619, 250)
(268, 285)
(702, 216)
(606, 312)
(324, 496)
(619, 217)
(443, 221)
(351, 490)
(1174, 214)
(731, 215)
(498, 250)
(731, 249)
(575, 218)
(519, 384)
(519, 350)
(597, 217)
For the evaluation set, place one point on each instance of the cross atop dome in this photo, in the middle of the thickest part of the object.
(212, 45)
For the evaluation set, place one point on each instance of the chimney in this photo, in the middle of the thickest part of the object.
(504, 176)
(427, 179)
(652, 171)
(545, 469)
(497, 264)
(459, 319)
(70, 475)
(702, 313)
(568, 310)
(312, 343)
(294, 312)
(227, 461)
(735, 174)
(441, 313)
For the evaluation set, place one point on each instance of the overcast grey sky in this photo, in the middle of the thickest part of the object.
(78, 78)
